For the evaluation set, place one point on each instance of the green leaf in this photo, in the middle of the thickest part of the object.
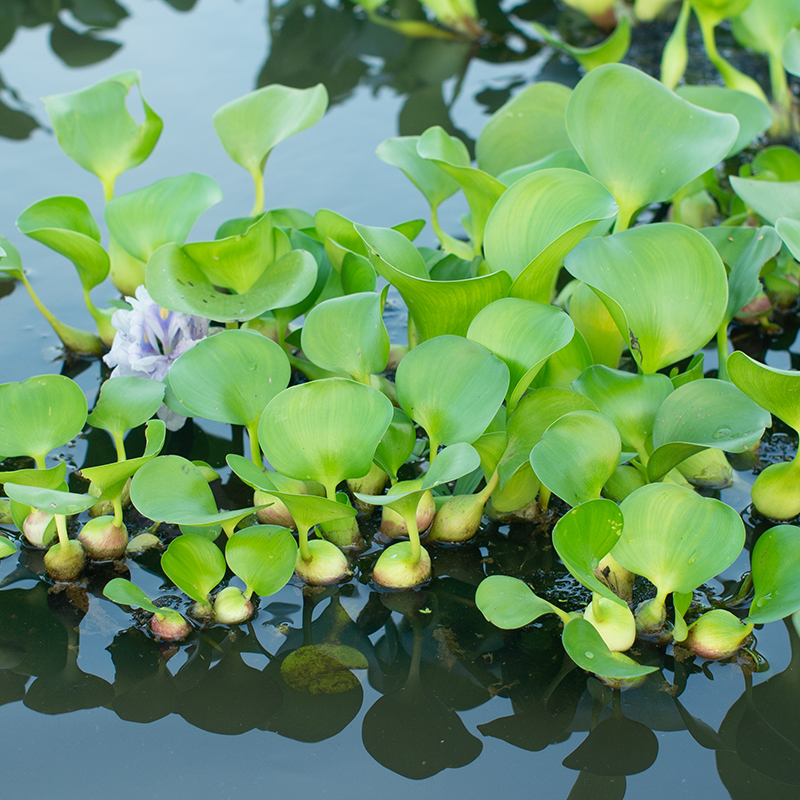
(527, 128)
(538, 221)
(94, 127)
(776, 390)
(745, 251)
(347, 334)
(678, 303)
(172, 489)
(51, 478)
(263, 556)
(251, 126)
(790, 55)
(437, 307)
(10, 261)
(66, 225)
(770, 199)
(126, 403)
(325, 431)
(53, 501)
(585, 646)
(118, 590)
(753, 115)
(763, 26)
(522, 334)
(584, 536)
(7, 546)
(609, 51)
(230, 377)
(675, 142)
(452, 387)
(702, 414)
(775, 566)
(509, 603)
(629, 400)
(789, 231)
(40, 414)
(195, 565)
(480, 188)
(177, 282)
(307, 510)
(576, 456)
(534, 414)
(677, 539)
(165, 211)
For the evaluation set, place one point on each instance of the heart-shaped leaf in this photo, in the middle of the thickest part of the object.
(53, 501)
(195, 565)
(509, 603)
(775, 566)
(452, 387)
(576, 456)
(584, 536)
(585, 646)
(325, 431)
(121, 591)
(770, 199)
(678, 303)
(126, 403)
(263, 556)
(776, 390)
(347, 334)
(40, 414)
(676, 141)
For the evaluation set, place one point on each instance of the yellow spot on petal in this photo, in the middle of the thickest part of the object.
(163, 313)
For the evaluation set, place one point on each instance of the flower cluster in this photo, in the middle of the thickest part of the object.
(149, 339)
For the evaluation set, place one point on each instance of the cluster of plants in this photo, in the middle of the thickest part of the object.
(553, 350)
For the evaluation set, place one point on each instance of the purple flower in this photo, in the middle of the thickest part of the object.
(149, 338)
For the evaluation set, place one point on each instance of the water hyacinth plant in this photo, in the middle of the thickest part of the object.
(584, 409)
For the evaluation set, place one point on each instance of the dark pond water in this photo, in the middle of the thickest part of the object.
(440, 703)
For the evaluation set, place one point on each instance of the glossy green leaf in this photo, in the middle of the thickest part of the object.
(437, 307)
(763, 25)
(702, 414)
(678, 303)
(775, 163)
(584, 536)
(677, 539)
(53, 501)
(177, 282)
(40, 414)
(347, 334)
(251, 126)
(480, 188)
(66, 225)
(51, 478)
(397, 444)
(263, 556)
(195, 565)
(230, 377)
(326, 430)
(745, 251)
(307, 510)
(522, 334)
(538, 221)
(675, 141)
(527, 128)
(770, 199)
(610, 51)
(790, 55)
(585, 646)
(591, 318)
(121, 591)
(172, 489)
(509, 603)
(7, 547)
(789, 232)
(565, 364)
(110, 478)
(776, 390)
(10, 260)
(126, 403)
(753, 115)
(775, 567)
(631, 401)
(576, 456)
(94, 127)
(165, 211)
(561, 159)
(532, 417)
(452, 387)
